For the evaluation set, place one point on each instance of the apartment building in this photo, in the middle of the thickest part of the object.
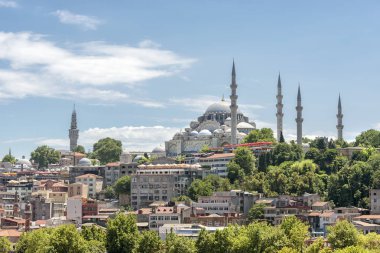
(216, 164)
(374, 196)
(94, 183)
(222, 203)
(161, 182)
(78, 189)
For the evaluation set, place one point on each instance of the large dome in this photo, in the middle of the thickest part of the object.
(84, 162)
(158, 150)
(24, 162)
(220, 107)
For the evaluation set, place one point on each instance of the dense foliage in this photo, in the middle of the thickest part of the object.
(260, 135)
(44, 155)
(107, 150)
(122, 235)
(9, 158)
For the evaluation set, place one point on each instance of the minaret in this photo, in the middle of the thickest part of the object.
(279, 114)
(299, 118)
(339, 116)
(233, 105)
(73, 131)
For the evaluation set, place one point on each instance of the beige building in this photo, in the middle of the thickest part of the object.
(94, 183)
(58, 197)
(78, 189)
(374, 196)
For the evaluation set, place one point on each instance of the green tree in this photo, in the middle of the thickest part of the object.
(320, 143)
(5, 245)
(343, 234)
(80, 149)
(182, 198)
(369, 138)
(245, 159)
(107, 150)
(259, 135)
(205, 149)
(283, 152)
(200, 188)
(34, 241)
(296, 231)
(313, 154)
(149, 242)
(90, 233)
(205, 242)
(122, 234)
(175, 244)
(123, 185)
(282, 139)
(317, 246)
(9, 158)
(44, 155)
(256, 212)
(234, 172)
(109, 192)
(67, 239)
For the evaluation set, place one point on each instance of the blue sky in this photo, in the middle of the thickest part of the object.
(141, 70)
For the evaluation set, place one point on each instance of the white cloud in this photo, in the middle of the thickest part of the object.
(199, 104)
(93, 71)
(8, 4)
(140, 138)
(86, 22)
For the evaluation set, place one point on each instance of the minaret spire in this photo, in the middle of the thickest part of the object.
(279, 106)
(299, 118)
(233, 105)
(339, 116)
(73, 131)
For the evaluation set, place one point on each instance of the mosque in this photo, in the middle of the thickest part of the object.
(215, 128)
(221, 124)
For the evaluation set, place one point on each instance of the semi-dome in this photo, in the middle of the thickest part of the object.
(205, 132)
(84, 162)
(194, 133)
(218, 131)
(244, 125)
(158, 150)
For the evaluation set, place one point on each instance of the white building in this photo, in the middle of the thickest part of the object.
(216, 163)
(74, 209)
(185, 230)
(164, 215)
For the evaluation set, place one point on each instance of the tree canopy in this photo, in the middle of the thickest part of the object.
(80, 149)
(9, 158)
(123, 185)
(369, 138)
(45, 155)
(260, 135)
(107, 150)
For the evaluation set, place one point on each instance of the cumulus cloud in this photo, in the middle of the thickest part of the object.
(8, 4)
(134, 138)
(199, 104)
(36, 66)
(83, 21)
